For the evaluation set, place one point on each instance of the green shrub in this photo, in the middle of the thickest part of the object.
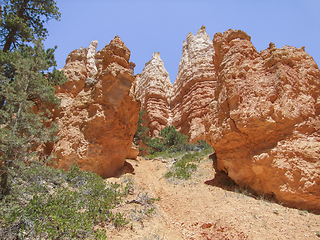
(169, 138)
(140, 134)
(182, 169)
(187, 164)
(54, 204)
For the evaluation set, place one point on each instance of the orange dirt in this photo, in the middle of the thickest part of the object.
(191, 209)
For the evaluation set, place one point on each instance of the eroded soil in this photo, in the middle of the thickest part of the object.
(192, 209)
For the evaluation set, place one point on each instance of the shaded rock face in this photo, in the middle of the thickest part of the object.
(184, 104)
(98, 114)
(264, 122)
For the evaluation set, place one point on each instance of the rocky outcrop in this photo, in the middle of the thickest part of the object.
(186, 103)
(259, 110)
(194, 86)
(98, 114)
(154, 89)
(264, 123)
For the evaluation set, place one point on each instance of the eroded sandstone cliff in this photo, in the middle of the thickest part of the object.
(184, 104)
(259, 110)
(154, 89)
(194, 86)
(98, 114)
(264, 123)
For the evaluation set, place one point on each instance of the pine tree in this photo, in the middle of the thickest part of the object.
(27, 91)
(23, 21)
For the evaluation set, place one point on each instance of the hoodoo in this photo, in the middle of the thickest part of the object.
(265, 125)
(259, 110)
(98, 113)
(185, 104)
(154, 89)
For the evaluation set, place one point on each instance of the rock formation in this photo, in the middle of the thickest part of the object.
(186, 103)
(194, 86)
(264, 123)
(154, 89)
(259, 110)
(98, 114)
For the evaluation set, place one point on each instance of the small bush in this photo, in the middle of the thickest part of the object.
(182, 169)
(187, 164)
(54, 204)
(140, 134)
(169, 138)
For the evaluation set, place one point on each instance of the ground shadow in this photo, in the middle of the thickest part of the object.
(221, 178)
(126, 168)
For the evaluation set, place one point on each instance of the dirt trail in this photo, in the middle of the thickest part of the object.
(194, 210)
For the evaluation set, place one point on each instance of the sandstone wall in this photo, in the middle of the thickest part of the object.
(194, 86)
(184, 104)
(154, 89)
(98, 114)
(259, 110)
(264, 122)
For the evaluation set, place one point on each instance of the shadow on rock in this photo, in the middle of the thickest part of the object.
(126, 168)
(221, 178)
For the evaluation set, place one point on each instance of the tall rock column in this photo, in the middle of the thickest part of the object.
(194, 86)
(91, 61)
(154, 89)
(98, 114)
(185, 104)
(265, 125)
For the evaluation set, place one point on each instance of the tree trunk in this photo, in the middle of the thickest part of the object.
(4, 188)
(10, 37)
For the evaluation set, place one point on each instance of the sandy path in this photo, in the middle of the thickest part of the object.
(194, 210)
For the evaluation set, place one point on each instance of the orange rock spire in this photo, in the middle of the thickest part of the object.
(98, 114)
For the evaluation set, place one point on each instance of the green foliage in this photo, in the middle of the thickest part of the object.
(172, 144)
(168, 138)
(51, 204)
(140, 134)
(183, 170)
(22, 21)
(186, 164)
(25, 117)
(171, 137)
(147, 206)
(27, 90)
(184, 167)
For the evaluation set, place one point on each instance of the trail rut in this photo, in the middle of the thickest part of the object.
(191, 209)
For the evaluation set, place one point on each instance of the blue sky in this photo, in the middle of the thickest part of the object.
(148, 26)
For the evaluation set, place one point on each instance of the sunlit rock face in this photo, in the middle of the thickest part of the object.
(186, 103)
(264, 123)
(154, 89)
(259, 110)
(98, 114)
(194, 87)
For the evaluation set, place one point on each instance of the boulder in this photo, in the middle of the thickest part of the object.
(264, 122)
